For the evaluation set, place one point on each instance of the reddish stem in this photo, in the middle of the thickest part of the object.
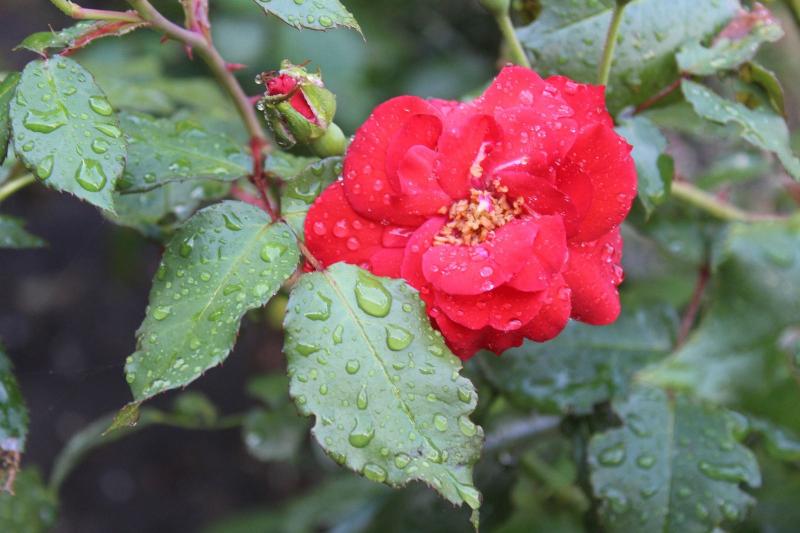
(660, 95)
(257, 145)
(690, 316)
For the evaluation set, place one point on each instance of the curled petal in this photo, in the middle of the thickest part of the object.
(419, 243)
(420, 191)
(502, 309)
(512, 87)
(599, 176)
(418, 130)
(464, 342)
(463, 146)
(460, 269)
(593, 273)
(554, 314)
(587, 101)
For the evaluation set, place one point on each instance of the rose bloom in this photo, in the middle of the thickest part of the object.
(502, 212)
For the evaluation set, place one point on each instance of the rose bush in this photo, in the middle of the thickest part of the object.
(502, 212)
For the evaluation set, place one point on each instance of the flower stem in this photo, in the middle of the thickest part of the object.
(518, 55)
(714, 206)
(611, 43)
(14, 185)
(81, 13)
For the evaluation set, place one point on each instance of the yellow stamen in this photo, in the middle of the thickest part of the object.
(472, 221)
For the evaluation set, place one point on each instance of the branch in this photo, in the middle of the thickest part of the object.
(611, 43)
(14, 185)
(77, 12)
(716, 207)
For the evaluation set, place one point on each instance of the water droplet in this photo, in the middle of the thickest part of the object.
(440, 422)
(43, 123)
(359, 437)
(352, 366)
(108, 129)
(161, 312)
(186, 247)
(361, 400)
(337, 334)
(398, 338)
(374, 472)
(99, 146)
(272, 252)
(613, 455)
(45, 167)
(464, 394)
(467, 427)
(645, 461)
(100, 106)
(90, 175)
(324, 312)
(232, 221)
(306, 349)
(734, 473)
(401, 460)
(372, 297)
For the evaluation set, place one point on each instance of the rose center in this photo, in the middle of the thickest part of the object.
(471, 221)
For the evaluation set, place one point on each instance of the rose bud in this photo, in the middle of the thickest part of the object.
(299, 109)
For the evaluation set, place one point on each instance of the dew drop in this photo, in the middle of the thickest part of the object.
(272, 252)
(372, 471)
(352, 366)
(362, 401)
(398, 338)
(90, 175)
(161, 312)
(45, 167)
(372, 297)
(100, 106)
(613, 455)
(359, 437)
(467, 427)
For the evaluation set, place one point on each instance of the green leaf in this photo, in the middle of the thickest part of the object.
(286, 166)
(157, 212)
(728, 53)
(761, 76)
(585, 364)
(13, 424)
(226, 260)
(66, 132)
(167, 150)
(31, 509)
(76, 36)
(274, 435)
(384, 388)
(13, 234)
(732, 356)
(653, 166)
(761, 127)
(300, 193)
(271, 389)
(312, 14)
(567, 38)
(674, 465)
(7, 87)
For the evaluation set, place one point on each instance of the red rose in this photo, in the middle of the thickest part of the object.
(503, 212)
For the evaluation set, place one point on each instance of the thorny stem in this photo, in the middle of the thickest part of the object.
(219, 68)
(690, 315)
(660, 95)
(716, 207)
(611, 43)
(518, 54)
(14, 185)
(81, 13)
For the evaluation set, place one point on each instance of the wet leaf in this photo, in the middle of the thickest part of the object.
(7, 88)
(66, 132)
(274, 435)
(585, 364)
(226, 260)
(167, 150)
(76, 36)
(762, 126)
(568, 37)
(286, 166)
(300, 193)
(674, 465)
(735, 45)
(653, 166)
(383, 387)
(13, 234)
(311, 14)
(13, 424)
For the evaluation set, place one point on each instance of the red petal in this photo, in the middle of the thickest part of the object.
(464, 342)
(420, 190)
(503, 309)
(500, 341)
(464, 141)
(533, 277)
(600, 159)
(593, 273)
(418, 244)
(554, 314)
(541, 197)
(334, 232)
(459, 269)
(512, 87)
(386, 262)
(588, 101)
(419, 130)
(365, 181)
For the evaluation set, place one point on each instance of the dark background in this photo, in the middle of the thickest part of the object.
(68, 312)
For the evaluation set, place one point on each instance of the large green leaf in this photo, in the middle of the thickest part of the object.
(165, 150)
(384, 388)
(311, 14)
(13, 423)
(585, 364)
(567, 38)
(76, 36)
(653, 166)
(13, 234)
(762, 126)
(674, 465)
(732, 357)
(66, 131)
(728, 53)
(31, 509)
(300, 193)
(7, 87)
(226, 260)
